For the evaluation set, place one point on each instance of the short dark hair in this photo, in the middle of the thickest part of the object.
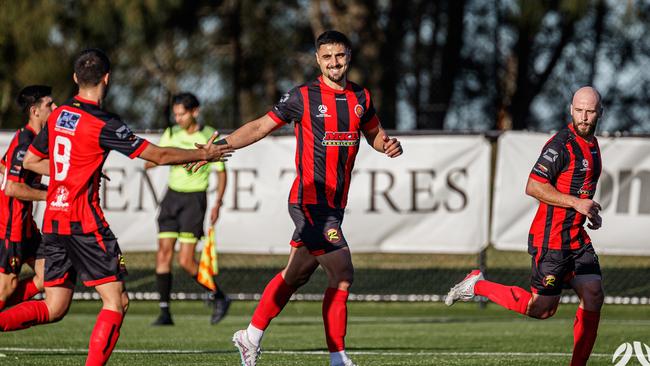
(31, 95)
(332, 36)
(90, 66)
(188, 100)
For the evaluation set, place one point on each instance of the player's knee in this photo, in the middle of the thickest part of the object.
(38, 282)
(57, 312)
(594, 298)
(541, 313)
(297, 280)
(8, 285)
(342, 282)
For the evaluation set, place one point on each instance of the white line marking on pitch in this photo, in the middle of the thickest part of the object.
(368, 353)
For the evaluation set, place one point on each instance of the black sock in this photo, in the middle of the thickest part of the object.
(219, 294)
(164, 282)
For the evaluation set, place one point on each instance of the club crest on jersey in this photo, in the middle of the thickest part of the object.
(549, 281)
(61, 199)
(585, 165)
(67, 122)
(322, 111)
(358, 110)
(332, 235)
(340, 138)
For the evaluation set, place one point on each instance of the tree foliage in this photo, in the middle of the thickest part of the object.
(430, 64)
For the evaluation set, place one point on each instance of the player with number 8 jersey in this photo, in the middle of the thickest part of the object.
(81, 134)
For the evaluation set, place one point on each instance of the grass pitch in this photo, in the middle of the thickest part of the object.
(378, 334)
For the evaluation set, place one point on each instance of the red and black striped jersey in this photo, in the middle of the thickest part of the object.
(572, 165)
(16, 221)
(77, 139)
(327, 125)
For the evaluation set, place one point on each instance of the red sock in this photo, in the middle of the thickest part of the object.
(25, 290)
(585, 329)
(104, 337)
(335, 318)
(24, 315)
(510, 297)
(276, 295)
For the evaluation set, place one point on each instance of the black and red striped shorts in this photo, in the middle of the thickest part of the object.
(95, 257)
(318, 228)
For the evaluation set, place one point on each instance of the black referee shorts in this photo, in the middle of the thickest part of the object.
(182, 215)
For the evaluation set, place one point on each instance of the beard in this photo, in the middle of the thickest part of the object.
(336, 74)
(584, 129)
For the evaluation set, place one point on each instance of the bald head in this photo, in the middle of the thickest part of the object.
(585, 111)
(586, 94)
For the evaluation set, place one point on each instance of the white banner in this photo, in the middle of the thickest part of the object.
(623, 191)
(434, 198)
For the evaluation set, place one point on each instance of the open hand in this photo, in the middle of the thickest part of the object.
(219, 151)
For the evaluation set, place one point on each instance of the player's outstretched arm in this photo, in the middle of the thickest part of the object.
(36, 164)
(24, 192)
(245, 135)
(174, 156)
(251, 132)
(545, 192)
(379, 140)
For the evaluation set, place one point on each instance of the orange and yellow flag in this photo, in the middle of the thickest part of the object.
(208, 266)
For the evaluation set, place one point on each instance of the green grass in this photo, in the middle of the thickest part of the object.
(378, 334)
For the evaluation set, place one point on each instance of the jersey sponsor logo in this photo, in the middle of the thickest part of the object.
(626, 350)
(358, 110)
(284, 98)
(550, 155)
(67, 122)
(340, 138)
(322, 109)
(61, 199)
(332, 235)
(549, 281)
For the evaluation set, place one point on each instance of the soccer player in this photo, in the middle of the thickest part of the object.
(183, 209)
(19, 236)
(72, 148)
(329, 116)
(563, 180)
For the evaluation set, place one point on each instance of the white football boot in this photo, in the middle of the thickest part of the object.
(247, 350)
(464, 290)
